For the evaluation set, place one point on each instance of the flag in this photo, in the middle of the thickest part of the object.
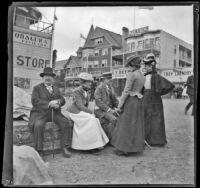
(82, 36)
(146, 7)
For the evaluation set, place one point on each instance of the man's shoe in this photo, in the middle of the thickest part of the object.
(66, 153)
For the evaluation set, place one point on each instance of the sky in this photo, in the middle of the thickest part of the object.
(73, 21)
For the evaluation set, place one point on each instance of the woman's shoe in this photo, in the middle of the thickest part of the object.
(121, 153)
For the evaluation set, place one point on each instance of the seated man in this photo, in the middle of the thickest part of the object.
(106, 102)
(46, 99)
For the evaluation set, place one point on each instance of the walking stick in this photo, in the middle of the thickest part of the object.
(52, 132)
(147, 144)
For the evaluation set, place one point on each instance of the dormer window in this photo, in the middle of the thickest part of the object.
(98, 40)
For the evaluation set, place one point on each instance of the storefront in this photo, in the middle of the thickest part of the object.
(31, 53)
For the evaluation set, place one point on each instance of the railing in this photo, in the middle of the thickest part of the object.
(32, 24)
(183, 58)
(137, 48)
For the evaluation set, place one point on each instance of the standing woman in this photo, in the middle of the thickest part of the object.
(128, 135)
(155, 86)
(87, 131)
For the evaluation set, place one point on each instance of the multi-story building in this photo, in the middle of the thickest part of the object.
(105, 51)
(173, 55)
(31, 47)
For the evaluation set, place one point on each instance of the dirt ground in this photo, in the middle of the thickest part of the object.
(173, 164)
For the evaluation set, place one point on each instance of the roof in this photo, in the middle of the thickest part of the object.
(113, 38)
(74, 61)
(59, 65)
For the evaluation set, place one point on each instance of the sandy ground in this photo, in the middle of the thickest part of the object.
(173, 164)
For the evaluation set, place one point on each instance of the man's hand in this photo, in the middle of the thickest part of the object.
(54, 104)
(114, 112)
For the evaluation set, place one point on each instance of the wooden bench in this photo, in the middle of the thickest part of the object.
(22, 135)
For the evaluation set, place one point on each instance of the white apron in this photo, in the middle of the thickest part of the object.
(87, 132)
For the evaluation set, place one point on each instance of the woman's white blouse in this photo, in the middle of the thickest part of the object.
(147, 84)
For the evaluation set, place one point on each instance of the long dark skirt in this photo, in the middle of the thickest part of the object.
(128, 135)
(154, 118)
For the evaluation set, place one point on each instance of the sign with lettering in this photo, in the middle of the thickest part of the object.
(177, 75)
(119, 73)
(32, 62)
(139, 30)
(31, 40)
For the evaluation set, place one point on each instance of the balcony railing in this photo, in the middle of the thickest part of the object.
(32, 24)
(137, 48)
(184, 58)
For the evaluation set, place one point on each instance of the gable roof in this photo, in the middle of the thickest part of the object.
(113, 38)
(74, 61)
(59, 65)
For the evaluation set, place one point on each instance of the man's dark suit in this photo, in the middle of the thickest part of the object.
(41, 113)
(105, 99)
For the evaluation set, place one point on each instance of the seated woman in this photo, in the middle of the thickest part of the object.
(87, 132)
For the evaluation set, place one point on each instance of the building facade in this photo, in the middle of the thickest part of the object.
(31, 47)
(174, 56)
(105, 51)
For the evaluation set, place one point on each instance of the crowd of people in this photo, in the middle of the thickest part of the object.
(127, 123)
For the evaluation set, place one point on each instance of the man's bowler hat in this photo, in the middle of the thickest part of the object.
(47, 71)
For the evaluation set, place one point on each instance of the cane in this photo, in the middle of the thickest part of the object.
(147, 144)
(52, 132)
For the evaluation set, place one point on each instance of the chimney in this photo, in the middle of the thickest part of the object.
(125, 31)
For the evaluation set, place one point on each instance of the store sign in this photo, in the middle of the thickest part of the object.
(120, 73)
(32, 62)
(139, 30)
(178, 75)
(31, 39)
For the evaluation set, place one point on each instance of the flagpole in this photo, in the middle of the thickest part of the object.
(52, 40)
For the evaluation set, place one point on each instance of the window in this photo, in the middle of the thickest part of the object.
(174, 49)
(151, 42)
(157, 41)
(140, 44)
(132, 46)
(96, 52)
(105, 51)
(147, 43)
(96, 63)
(99, 40)
(174, 63)
(90, 64)
(104, 63)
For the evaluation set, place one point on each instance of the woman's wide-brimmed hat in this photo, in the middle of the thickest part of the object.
(107, 75)
(133, 60)
(48, 71)
(85, 76)
(149, 59)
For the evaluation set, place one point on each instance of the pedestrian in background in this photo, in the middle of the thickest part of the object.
(128, 135)
(190, 92)
(155, 86)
